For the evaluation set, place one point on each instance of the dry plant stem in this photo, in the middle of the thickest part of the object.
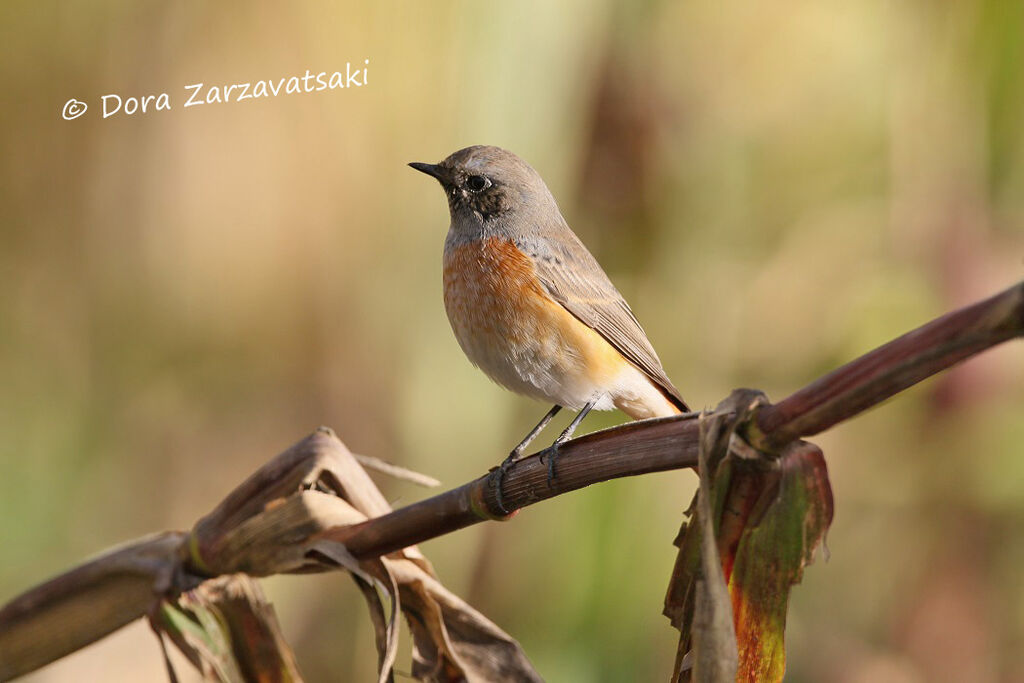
(671, 443)
(384, 467)
(72, 610)
(891, 368)
(630, 449)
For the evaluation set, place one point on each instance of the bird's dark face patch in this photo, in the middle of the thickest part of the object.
(485, 186)
(475, 192)
(486, 182)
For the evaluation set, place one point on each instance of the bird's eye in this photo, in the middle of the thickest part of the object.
(477, 182)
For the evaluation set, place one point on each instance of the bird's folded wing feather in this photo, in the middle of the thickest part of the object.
(573, 278)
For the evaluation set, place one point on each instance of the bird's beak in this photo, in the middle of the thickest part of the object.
(430, 169)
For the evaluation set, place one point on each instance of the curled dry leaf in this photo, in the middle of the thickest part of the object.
(263, 526)
(714, 639)
(451, 640)
(282, 519)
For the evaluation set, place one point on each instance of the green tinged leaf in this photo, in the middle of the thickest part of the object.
(228, 631)
(770, 513)
(770, 558)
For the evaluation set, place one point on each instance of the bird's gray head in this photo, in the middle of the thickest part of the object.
(487, 186)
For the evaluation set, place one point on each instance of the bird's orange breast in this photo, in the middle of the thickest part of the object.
(508, 326)
(491, 289)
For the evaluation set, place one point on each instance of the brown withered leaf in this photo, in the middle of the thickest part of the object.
(263, 527)
(272, 524)
(451, 640)
(374, 579)
(714, 639)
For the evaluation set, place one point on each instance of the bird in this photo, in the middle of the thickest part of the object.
(530, 305)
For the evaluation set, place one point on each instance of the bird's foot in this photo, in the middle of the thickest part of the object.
(497, 478)
(552, 456)
(552, 453)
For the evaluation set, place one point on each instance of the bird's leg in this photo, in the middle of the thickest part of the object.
(498, 476)
(518, 450)
(565, 436)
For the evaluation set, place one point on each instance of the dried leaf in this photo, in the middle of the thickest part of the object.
(273, 523)
(263, 526)
(714, 640)
(371, 576)
(453, 641)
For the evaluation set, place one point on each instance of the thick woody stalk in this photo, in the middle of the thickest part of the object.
(627, 450)
(671, 443)
(893, 367)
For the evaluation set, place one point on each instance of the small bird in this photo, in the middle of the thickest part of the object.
(531, 307)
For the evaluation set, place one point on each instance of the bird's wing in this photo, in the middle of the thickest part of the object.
(573, 278)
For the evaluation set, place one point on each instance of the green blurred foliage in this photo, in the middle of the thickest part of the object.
(776, 188)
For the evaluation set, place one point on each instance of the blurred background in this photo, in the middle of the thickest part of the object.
(775, 188)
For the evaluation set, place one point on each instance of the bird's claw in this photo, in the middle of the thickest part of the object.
(497, 478)
(552, 456)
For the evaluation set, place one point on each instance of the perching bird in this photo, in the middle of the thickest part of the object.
(530, 306)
